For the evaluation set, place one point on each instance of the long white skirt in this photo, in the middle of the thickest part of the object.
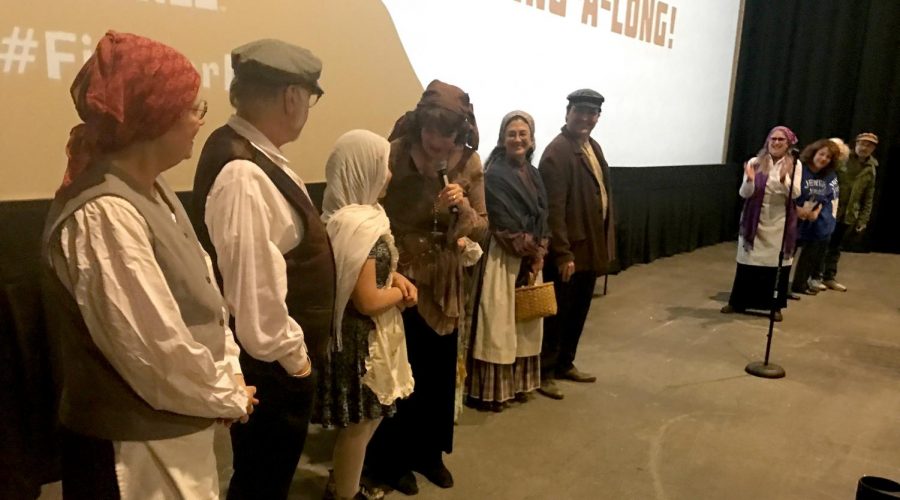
(498, 337)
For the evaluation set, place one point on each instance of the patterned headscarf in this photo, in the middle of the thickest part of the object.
(752, 211)
(791, 136)
(131, 89)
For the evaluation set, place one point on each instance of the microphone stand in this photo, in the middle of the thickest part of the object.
(763, 368)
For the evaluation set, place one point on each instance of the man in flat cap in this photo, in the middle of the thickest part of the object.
(273, 258)
(856, 182)
(576, 175)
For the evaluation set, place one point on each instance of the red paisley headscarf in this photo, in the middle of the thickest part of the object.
(131, 89)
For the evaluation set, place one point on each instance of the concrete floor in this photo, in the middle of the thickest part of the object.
(673, 416)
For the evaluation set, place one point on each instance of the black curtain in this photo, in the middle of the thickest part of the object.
(29, 451)
(662, 211)
(824, 68)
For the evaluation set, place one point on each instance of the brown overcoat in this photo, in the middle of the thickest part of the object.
(578, 230)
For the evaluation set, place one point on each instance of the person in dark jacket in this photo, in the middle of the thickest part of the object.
(856, 178)
(582, 232)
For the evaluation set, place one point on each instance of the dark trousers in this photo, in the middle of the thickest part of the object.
(422, 429)
(753, 287)
(88, 468)
(563, 331)
(268, 447)
(808, 263)
(833, 254)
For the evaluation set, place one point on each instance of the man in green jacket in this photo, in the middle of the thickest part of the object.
(856, 182)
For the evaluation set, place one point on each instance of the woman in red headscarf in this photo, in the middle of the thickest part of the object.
(435, 203)
(148, 362)
(768, 225)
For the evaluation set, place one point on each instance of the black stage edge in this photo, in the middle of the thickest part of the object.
(663, 211)
(660, 211)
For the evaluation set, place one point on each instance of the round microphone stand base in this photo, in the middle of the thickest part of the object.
(764, 370)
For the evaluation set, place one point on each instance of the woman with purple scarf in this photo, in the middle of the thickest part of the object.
(768, 191)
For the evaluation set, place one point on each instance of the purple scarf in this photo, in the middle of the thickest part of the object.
(753, 208)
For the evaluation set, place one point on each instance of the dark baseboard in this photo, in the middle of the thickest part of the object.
(660, 211)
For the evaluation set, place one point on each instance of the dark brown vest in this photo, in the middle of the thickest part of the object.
(310, 265)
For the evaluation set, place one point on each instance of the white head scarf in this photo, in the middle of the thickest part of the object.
(356, 171)
(355, 174)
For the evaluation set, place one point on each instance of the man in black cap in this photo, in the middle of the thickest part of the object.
(273, 258)
(582, 239)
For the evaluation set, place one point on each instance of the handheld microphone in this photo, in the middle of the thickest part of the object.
(442, 176)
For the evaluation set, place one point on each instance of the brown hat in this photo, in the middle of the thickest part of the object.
(867, 136)
(446, 96)
(279, 62)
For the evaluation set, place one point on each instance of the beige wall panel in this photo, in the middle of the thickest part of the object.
(367, 77)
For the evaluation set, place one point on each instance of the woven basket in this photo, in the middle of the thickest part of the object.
(535, 301)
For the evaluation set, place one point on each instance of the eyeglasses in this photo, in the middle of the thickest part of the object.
(314, 94)
(777, 139)
(200, 109)
(314, 97)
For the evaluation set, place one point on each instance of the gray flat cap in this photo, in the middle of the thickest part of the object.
(586, 97)
(276, 61)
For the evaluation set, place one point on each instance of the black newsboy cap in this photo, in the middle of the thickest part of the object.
(586, 97)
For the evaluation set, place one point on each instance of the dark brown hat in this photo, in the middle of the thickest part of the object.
(446, 96)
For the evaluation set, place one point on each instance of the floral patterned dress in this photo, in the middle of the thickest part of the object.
(341, 397)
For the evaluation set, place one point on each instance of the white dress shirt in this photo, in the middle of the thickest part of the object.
(107, 263)
(252, 226)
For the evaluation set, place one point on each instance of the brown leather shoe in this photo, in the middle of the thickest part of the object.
(550, 389)
(575, 375)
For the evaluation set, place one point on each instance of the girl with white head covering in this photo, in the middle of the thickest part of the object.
(368, 368)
